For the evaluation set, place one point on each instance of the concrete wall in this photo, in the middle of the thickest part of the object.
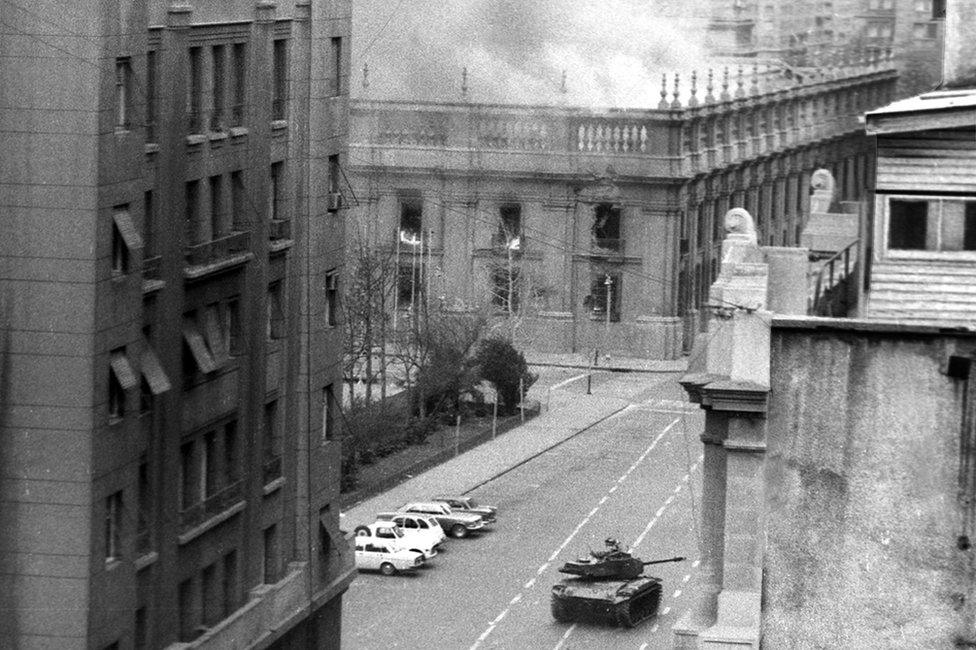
(862, 478)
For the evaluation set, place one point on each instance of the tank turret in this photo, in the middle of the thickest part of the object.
(607, 586)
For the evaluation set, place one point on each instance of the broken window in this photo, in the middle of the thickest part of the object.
(606, 227)
(411, 220)
(509, 235)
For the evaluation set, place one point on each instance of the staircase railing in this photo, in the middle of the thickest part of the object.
(833, 271)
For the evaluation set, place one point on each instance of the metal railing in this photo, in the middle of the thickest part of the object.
(211, 506)
(217, 249)
(279, 229)
(151, 267)
(828, 289)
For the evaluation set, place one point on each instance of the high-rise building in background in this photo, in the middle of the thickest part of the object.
(829, 31)
(169, 455)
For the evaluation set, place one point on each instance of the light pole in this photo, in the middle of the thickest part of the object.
(608, 282)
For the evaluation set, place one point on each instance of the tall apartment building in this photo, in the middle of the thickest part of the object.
(168, 453)
(819, 33)
(601, 228)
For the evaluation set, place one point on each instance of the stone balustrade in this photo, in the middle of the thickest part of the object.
(681, 137)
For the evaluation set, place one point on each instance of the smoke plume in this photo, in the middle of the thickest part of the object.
(612, 52)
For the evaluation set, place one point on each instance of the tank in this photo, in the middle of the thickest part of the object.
(607, 587)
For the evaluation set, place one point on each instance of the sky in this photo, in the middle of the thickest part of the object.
(613, 52)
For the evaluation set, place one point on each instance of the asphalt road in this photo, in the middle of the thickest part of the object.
(634, 476)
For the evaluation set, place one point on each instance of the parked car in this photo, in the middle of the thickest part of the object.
(387, 532)
(455, 524)
(410, 523)
(468, 504)
(376, 555)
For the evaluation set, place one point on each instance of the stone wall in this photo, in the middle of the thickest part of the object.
(863, 524)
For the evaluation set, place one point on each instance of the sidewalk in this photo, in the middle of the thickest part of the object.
(615, 363)
(490, 459)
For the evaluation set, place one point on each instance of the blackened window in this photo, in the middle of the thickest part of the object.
(969, 232)
(230, 589)
(274, 190)
(606, 227)
(510, 226)
(192, 210)
(238, 199)
(232, 455)
(411, 219)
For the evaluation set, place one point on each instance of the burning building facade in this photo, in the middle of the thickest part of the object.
(602, 228)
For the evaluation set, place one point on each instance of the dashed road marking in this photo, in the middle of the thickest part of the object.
(565, 636)
(677, 592)
(542, 569)
(686, 578)
(665, 611)
(695, 564)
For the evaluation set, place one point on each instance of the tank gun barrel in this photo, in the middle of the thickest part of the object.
(670, 559)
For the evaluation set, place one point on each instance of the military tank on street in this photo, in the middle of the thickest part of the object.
(607, 587)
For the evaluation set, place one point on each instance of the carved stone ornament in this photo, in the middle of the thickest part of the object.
(738, 221)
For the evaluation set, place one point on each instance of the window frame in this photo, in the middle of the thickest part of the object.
(882, 237)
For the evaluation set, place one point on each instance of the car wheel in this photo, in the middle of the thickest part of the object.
(459, 531)
(387, 569)
(362, 531)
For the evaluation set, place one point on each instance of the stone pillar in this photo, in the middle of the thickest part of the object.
(732, 385)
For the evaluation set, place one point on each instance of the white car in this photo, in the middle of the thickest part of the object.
(455, 524)
(375, 555)
(413, 524)
(387, 532)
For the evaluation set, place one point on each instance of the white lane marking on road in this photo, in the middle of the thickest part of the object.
(669, 500)
(484, 635)
(579, 526)
(567, 381)
(677, 592)
(604, 499)
(686, 477)
(694, 565)
(665, 612)
(565, 636)
(654, 629)
(643, 647)
(660, 511)
(686, 578)
(498, 619)
(677, 488)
